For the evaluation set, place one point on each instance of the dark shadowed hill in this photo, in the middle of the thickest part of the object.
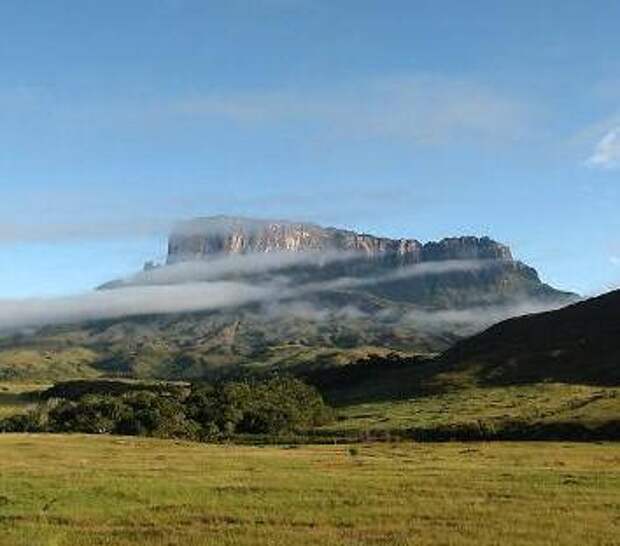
(579, 343)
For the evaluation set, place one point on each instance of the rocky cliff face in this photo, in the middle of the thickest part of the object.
(205, 237)
(461, 272)
(495, 279)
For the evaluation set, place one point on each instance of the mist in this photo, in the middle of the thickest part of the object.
(220, 267)
(204, 286)
(143, 300)
(466, 322)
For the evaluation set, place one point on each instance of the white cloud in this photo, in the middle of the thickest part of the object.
(606, 153)
(15, 314)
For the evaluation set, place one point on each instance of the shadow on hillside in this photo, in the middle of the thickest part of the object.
(376, 379)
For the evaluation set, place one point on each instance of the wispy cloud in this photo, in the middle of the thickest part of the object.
(402, 273)
(177, 288)
(237, 265)
(422, 109)
(606, 153)
(97, 217)
(52, 232)
(466, 322)
(417, 107)
(240, 266)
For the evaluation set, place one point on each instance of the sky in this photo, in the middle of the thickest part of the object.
(419, 119)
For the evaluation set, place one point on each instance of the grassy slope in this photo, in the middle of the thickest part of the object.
(195, 345)
(86, 491)
(47, 363)
(539, 403)
(17, 397)
(393, 398)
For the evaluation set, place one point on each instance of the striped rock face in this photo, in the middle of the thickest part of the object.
(205, 237)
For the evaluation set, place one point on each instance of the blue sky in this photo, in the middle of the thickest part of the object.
(404, 118)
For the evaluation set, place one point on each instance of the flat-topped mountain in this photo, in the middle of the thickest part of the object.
(456, 272)
(280, 293)
(207, 237)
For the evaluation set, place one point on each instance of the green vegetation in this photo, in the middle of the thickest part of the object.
(547, 376)
(96, 491)
(285, 409)
(201, 412)
(543, 402)
(76, 490)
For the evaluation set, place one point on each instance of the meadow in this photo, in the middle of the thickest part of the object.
(99, 490)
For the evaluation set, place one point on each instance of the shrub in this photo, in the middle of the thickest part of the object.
(149, 414)
(92, 415)
(32, 421)
(276, 406)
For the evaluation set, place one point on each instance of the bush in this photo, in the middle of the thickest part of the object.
(149, 414)
(283, 405)
(92, 415)
(26, 422)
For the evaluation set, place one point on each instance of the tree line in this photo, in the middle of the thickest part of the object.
(275, 406)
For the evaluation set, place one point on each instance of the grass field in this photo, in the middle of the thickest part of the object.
(101, 490)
